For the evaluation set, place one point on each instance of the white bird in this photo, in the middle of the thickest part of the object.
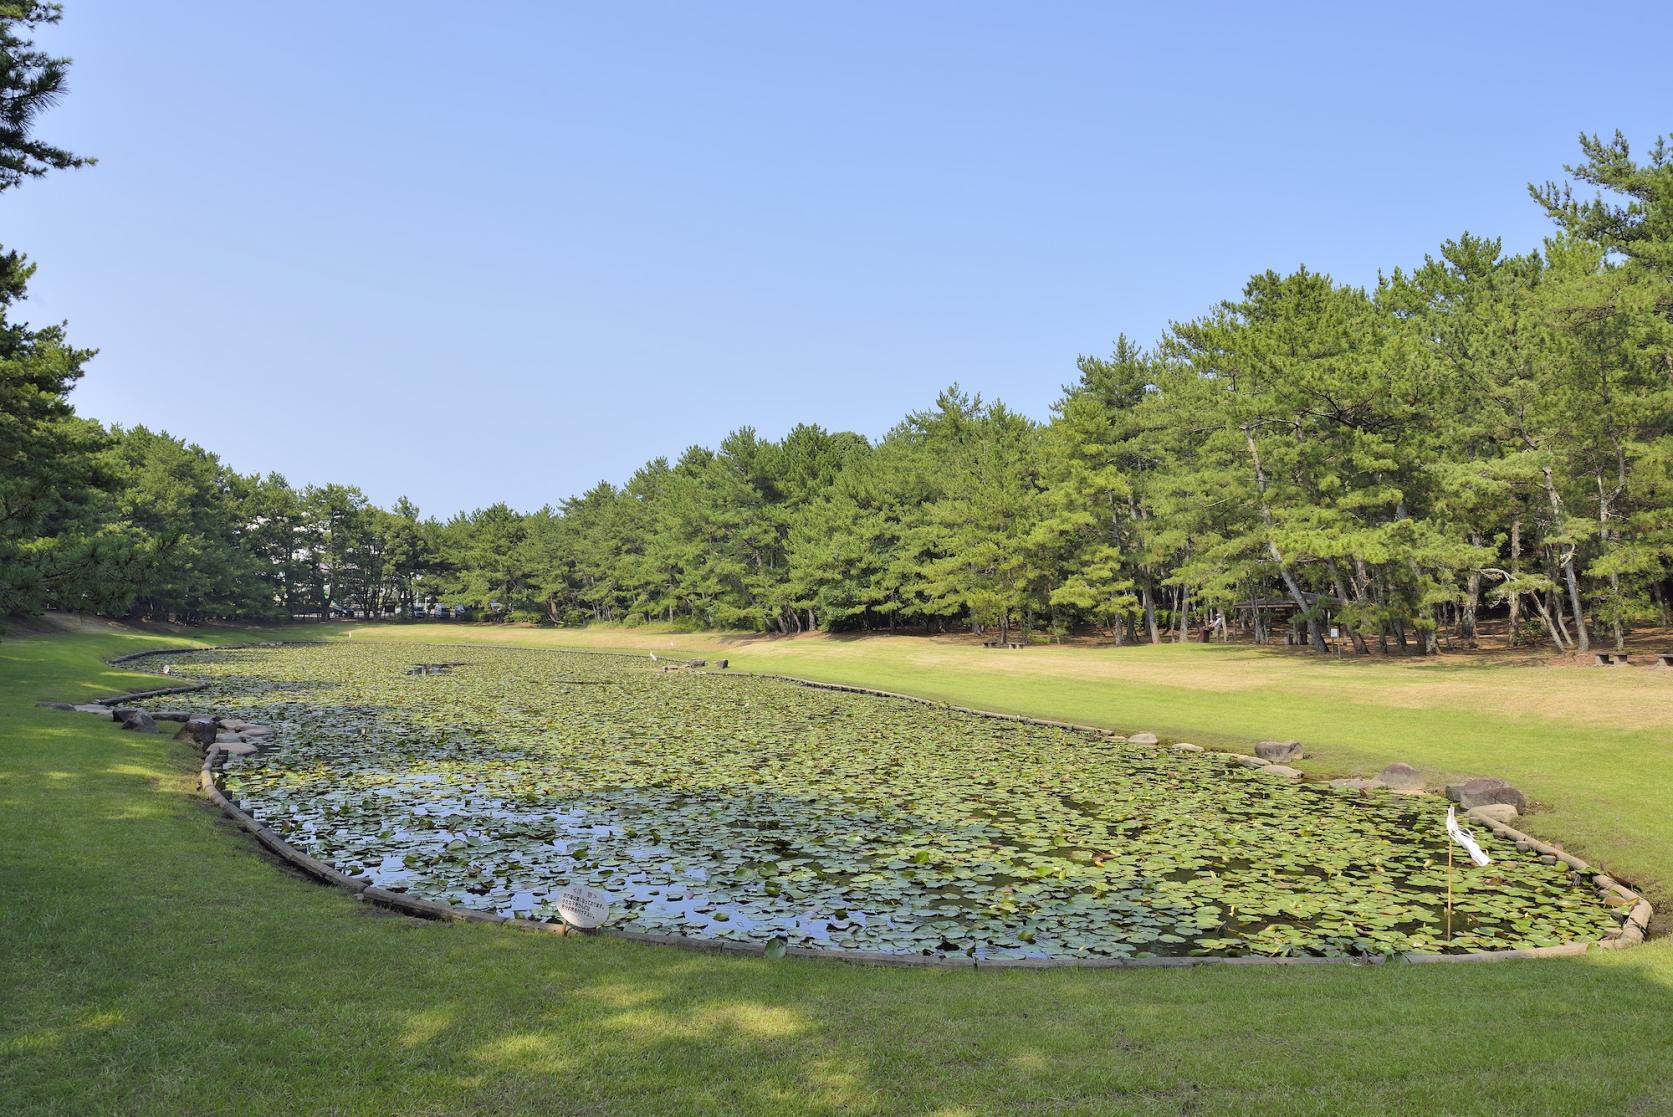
(653, 657)
(1463, 837)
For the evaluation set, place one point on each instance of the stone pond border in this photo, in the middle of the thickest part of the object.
(1634, 910)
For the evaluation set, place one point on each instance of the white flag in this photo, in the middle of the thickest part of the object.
(1464, 838)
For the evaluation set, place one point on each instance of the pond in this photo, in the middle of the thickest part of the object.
(718, 805)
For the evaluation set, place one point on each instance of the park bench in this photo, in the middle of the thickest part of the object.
(1000, 644)
(1610, 659)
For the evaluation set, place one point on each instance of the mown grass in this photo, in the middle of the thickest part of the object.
(152, 959)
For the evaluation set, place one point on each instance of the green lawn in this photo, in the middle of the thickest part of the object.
(153, 959)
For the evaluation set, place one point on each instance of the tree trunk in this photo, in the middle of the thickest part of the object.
(1583, 643)
(1290, 583)
(1604, 536)
(1551, 606)
(1342, 596)
(1550, 625)
(1472, 595)
(1515, 569)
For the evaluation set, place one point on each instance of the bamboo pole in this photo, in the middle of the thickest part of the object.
(1449, 891)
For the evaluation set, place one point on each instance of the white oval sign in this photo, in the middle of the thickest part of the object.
(583, 907)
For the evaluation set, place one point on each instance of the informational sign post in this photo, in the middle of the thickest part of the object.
(583, 907)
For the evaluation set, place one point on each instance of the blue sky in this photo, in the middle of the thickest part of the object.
(505, 258)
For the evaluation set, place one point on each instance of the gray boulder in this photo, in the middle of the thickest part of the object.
(1141, 739)
(1282, 770)
(1251, 761)
(1485, 792)
(1186, 747)
(1495, 812)
(198, 730)
(91, 708)
(1400, 777)
(1356, 784)
(1277, 752)
(140, 721)
(255, 731)
(53, 706)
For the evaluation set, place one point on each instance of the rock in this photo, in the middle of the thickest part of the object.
(91, 708)
(1282, 770)
(1277, 752)
(1251, 762)
(1142, 739)
(1485, 792)
(53, 706)
(698, 663)
(256, 731)
(140, 721)
(1401, 777)
(1184, 747)
(232, 725)
(237, 748)
(198, 730)
(1495, 812)
(722, 663)
(171, 715)
(228, 739)
(1548, 859)
(1356, 784)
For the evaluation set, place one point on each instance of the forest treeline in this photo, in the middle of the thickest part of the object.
(1482, 431)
